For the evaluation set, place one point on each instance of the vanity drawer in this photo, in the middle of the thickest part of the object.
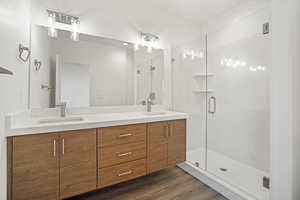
(121, 135)
(115, 155)
(119, 173)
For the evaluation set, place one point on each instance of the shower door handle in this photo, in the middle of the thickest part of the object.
(212, 105)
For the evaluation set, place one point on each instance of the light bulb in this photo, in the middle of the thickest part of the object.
(75, 30)
(52, 32)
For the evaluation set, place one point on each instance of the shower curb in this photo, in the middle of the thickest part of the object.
(212, 181)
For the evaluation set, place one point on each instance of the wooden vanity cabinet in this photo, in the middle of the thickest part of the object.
(166, 144)
(52, 166)
(34, 167)
(78, 164)
(177, 142)
(56, 166)
(121, 153)
(157, 152)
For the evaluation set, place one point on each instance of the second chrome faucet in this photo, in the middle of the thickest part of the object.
(150, 101)
(63, 108)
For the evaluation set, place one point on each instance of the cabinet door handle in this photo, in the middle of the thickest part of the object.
(124, 154)
(125, 173)
(54, 148)
(125, 135)
(167, 131)
(170, 130)
(63, 146)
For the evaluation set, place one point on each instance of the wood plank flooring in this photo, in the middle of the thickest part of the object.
(169, 184)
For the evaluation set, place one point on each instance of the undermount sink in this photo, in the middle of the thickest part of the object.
(155, 113)
(60, 119)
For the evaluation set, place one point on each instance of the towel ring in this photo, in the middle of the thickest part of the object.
(22, 50)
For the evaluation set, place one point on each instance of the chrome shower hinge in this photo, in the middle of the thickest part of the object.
(266, 28)
(266, 182)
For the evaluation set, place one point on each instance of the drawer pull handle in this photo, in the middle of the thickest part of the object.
(125, 135)
(54, 148)
(63, 146)
(124, 154)
(125, 173)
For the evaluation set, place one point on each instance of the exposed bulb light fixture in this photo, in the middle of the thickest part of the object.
(52, 32)
(57, 17)
(125, 44)
(147, 40)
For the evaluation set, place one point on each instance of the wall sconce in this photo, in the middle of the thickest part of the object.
(148, 40)
(57, 17)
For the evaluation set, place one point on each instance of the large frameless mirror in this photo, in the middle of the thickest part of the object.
(91, 72)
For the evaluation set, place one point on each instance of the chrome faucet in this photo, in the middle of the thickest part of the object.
(63, 107)
(149, 101)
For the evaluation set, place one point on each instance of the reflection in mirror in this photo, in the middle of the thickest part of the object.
(94, 71)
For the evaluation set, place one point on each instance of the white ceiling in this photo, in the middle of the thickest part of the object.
(196, 11)
(173, 19)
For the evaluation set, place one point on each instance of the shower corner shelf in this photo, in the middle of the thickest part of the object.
(203, 75)
(204, 91)
(5, 71)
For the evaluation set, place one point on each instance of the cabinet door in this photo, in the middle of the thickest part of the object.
(78, 171)
(35, 167)
(157, 146)
(177, 142)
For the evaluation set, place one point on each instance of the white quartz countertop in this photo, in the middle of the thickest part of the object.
(32, 125)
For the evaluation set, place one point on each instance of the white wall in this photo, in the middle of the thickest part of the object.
(296, 138)
(14, 29)
(285, 101)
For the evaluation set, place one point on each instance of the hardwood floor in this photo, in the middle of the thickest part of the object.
(169, 184)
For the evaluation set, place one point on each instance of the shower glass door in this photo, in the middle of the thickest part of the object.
(189, 96)
(239, 62)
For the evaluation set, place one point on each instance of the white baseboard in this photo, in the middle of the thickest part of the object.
(212, 181)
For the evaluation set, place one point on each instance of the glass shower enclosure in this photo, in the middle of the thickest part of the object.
(221, 80)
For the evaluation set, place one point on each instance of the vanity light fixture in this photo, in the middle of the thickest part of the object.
(58, 17)
(148, 40)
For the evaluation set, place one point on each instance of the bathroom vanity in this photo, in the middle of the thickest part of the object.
(65, 161)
